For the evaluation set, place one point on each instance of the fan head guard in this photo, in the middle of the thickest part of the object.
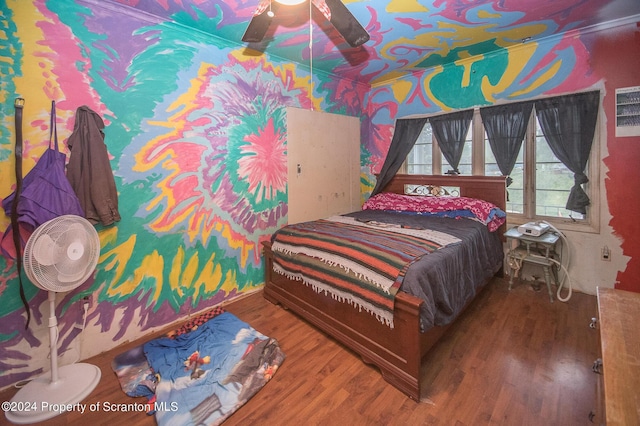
(62, 253)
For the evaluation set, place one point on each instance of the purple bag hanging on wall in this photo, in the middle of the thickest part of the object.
(46, 193)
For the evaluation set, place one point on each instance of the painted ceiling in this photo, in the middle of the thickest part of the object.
(406, 35)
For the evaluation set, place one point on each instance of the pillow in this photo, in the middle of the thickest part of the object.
(483, 211)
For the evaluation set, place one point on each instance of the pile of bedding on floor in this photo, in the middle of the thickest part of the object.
(202, 372)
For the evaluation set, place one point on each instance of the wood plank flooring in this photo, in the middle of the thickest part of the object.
(512, 358)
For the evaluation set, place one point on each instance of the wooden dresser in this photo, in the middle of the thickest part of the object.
(619, 324)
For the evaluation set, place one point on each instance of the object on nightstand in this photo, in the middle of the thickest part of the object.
(535, 229)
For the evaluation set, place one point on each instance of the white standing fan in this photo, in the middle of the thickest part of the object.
(60, 255)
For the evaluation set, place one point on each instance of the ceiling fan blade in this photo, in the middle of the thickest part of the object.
(259, 24)
(344, 22)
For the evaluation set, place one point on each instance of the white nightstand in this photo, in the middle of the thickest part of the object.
(539, 250)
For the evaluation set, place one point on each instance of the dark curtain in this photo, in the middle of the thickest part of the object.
(506, 126)
(404, 137)
(568, 124)
(451, 131)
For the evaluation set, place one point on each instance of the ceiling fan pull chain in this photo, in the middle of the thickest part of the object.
(310, 57)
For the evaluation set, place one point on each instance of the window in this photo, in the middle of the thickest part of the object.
(515, 200)
(540, 181)
(553, 182)
(420, 159)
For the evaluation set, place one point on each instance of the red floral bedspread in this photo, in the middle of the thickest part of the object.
(480, 210)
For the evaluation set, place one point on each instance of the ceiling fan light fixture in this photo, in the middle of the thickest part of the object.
(334, 10)
(290, 2)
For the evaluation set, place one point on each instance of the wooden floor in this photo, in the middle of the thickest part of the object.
(512, 358)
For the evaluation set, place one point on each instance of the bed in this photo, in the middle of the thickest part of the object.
(397, 347)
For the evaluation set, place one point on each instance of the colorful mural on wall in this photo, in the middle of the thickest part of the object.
(528, 71)
(407, 36)
(197, 134)
(196, 131)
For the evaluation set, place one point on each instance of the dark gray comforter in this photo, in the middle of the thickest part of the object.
(449, 278)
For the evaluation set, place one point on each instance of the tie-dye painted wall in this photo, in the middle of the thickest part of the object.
(196, 132)
(533, 69)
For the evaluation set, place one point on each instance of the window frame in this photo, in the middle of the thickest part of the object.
(590, 224)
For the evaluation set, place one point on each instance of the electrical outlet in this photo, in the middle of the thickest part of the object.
(605, 254)
(86, 302)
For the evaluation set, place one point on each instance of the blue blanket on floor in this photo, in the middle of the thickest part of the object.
(207, 374)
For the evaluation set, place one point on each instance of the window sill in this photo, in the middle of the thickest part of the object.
(561, 224)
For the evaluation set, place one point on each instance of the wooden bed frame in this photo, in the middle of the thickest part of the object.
(397, 352)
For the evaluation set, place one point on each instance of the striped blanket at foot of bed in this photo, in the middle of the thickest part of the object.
(360, 263)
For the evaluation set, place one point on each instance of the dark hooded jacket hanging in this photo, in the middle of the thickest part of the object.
(89, 169)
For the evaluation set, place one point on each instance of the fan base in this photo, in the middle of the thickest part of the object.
(40, 399)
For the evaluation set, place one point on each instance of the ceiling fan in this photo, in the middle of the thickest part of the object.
(334, 10)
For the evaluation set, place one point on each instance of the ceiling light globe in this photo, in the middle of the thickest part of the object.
(290, 2)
